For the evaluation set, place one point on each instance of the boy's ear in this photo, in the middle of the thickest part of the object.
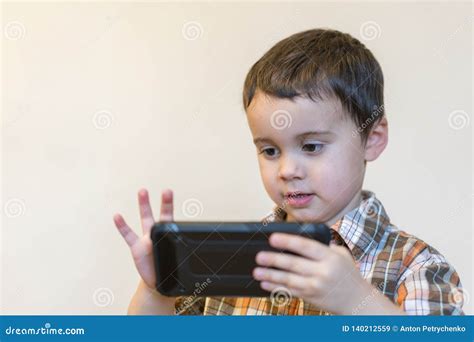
(377, 140)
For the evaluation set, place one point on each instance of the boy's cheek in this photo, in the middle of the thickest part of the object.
(270, 183)
(339, 180)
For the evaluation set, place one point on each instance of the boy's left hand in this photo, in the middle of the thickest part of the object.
(325, 276)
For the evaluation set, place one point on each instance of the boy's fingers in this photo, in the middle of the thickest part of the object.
(280, 277)
(280, 291)
(287, 262)
(306, 247)
(146, 213)
(127, 233)
(166, 213)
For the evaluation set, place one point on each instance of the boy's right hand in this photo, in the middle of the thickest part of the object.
(142, 246)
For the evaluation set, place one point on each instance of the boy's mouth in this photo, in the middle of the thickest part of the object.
(297, 194)
(298, 199)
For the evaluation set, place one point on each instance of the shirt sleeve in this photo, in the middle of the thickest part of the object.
(189, 305)
(432, 289)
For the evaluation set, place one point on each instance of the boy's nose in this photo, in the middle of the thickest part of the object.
(289, 169)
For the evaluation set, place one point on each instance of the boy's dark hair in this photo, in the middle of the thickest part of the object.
(322, 63)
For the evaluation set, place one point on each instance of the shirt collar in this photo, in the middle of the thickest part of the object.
(361, 229)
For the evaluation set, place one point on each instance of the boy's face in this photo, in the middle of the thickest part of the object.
(328, 165)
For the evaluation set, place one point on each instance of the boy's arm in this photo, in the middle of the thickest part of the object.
(432, 289)
(324, 276)
(327, 277)
(370, 301)
(146, 300)
(149, 302)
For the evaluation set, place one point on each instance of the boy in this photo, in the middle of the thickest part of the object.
(314, 104)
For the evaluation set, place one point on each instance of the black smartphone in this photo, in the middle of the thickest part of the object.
(217, 258)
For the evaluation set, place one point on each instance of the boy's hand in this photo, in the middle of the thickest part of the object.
(142, 246)
(325, 276)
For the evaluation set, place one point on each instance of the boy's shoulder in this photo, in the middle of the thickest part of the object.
(408, 270)
(377, 244)
(414, 247)
(425, 281)
(413, 252)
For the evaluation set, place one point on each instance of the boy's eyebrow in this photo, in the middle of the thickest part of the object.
(302, 135)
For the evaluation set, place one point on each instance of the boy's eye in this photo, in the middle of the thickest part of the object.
(313, 147)
(269, 152)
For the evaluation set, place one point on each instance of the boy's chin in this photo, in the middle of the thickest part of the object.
(303, 215)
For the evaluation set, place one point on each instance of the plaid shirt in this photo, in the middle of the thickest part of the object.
(407, 270)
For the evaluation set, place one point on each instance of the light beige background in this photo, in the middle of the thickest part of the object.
(100, 99)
